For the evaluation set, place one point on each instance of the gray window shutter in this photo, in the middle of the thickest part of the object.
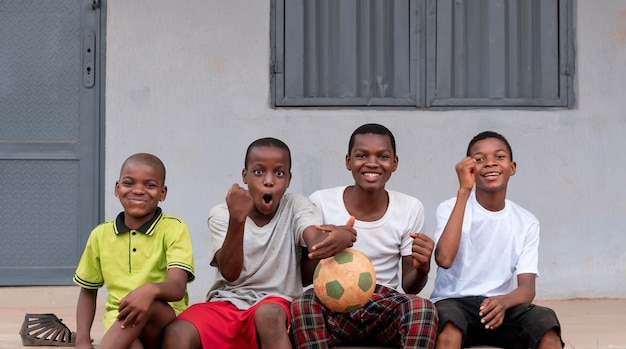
(346, 53)
(422, 53)
(500, 53)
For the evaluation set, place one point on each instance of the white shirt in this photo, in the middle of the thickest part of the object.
(495, 247)
(384, 241)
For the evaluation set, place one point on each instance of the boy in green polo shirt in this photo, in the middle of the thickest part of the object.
(143, 257)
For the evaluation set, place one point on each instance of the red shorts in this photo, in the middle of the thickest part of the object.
(221, 325)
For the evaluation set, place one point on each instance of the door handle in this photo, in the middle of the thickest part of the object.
(89, 60)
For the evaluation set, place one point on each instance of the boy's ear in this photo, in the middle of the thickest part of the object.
(289, 178)
(395, 163)
(117, 184)
(163, 193)
(348, 162)
(513, 168)
(244, 172)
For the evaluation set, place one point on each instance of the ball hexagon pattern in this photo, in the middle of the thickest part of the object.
(344, 282)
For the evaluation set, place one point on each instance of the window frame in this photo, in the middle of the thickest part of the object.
(424, 64)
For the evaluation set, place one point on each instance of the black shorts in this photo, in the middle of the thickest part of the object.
(523, 325)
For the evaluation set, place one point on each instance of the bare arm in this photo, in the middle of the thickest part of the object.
(415, 268)
(448, 244)
(229, 258)
(134, 307)
(307, 267)
(492, 309)
(85, 313)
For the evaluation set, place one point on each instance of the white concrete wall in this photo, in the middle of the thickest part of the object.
(189, 81)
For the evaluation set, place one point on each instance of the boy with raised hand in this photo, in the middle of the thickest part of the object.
(257, 237)
(487, 253)
(389, 226)
(144, 259)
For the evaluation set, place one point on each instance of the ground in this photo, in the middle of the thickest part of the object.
(586, 323)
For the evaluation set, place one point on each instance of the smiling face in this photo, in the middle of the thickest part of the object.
(494, 164)
(268, 176)
(371, 161)
(140, 188)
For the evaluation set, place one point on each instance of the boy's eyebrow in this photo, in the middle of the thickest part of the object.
(263, 165)
(497, 150)
(144, 179)
(381, 150)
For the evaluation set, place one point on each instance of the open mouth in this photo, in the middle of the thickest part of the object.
(267, 198)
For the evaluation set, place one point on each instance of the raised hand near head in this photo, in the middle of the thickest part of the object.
(466, 170)
(239, 202)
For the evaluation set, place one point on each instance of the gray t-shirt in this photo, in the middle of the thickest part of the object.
(271, 265)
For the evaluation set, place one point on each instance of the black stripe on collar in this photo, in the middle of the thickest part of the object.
(146, 228)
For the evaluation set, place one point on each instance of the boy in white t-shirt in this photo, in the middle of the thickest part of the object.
(389, 231)
(487, 253)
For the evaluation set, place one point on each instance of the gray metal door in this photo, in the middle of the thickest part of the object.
(51, 111)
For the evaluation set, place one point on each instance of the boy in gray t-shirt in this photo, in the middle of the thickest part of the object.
(257, 236)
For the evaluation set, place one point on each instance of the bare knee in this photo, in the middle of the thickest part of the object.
(159, 316)
(270, 320)
(449, 337)
(550, 340)
(136, 345)
(181, 334)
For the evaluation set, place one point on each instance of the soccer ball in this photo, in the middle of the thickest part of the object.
(345, 282)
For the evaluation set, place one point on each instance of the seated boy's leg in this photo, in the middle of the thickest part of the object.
(219, 324)
(118, 337)
(201, 325)
(308, 325)
(181, 334)
(161, 314)
(551, 340)
(389, 318)
(540, 327)
(271, 320)
(523, 327)
(420, 321)
(453, 321)
(398, 319)
(148, 330)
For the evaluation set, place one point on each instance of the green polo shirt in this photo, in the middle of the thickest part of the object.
(123, 259)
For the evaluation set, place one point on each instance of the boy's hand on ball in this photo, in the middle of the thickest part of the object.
(422, 250)
(338, 238)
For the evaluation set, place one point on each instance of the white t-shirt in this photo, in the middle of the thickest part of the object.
(271, 264)
(495, 247)
(384, 241)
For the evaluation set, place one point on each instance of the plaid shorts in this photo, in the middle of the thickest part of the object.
(388, 318)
